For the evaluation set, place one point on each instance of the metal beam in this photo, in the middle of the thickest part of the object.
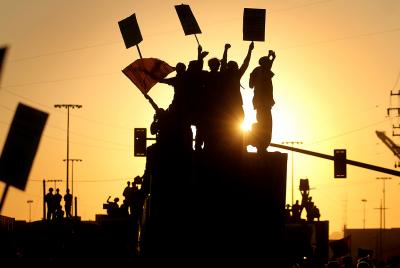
(330, 157)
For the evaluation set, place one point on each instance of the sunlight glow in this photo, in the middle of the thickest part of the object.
(246, 126)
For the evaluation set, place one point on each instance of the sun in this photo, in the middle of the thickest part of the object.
(249, 118)
(246, 126)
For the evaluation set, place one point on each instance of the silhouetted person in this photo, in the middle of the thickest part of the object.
(131, 197)
(232, 102)
(49, 199)
(57, 204)
(304, 199)
(68, 204)
(315, 212)
(296, 211)
(138, 200)
(310, 209)
(124, 208)
(287, 213)
(113, 207)
(173, 124)
(263, 100)
(195, 80)
(177, 82)
(126, 190)
(212, 102)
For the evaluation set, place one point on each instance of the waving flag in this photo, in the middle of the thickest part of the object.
(146, 72)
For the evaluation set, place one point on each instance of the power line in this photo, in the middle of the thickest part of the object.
(300, 6)
(73, 115)
(67, 51)
(80, 143)
(343, 38)
(60, 80)
(348, 132)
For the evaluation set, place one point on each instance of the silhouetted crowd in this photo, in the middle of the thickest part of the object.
(132, 204)
(293, 212)
(212, 102)
(53, 203)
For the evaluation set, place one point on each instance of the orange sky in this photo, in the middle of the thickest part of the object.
(337, 62)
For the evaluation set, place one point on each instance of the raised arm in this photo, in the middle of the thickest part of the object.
(224, 59)
(200, 57)
(246, 61)
(271, 57)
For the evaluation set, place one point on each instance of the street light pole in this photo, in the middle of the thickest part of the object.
(364, 202)
(292, 143)
(381, 212)
(72, 160)
(68, 106)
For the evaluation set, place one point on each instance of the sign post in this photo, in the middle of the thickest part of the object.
(132, 36)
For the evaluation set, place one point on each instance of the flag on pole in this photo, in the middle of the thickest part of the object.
(187, 19)
(130, 31)
(146, 72)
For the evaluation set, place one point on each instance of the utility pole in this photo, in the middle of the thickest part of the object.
(68, 106)
(72, 160)
(30, 209)
(384, 199)
(292, 143)
(381, 212)
(364, 202)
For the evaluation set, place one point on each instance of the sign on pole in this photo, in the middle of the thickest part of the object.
(187, 19)
(21, 145)
(254, 24)
(130, 31)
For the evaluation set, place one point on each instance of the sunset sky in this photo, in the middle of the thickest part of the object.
(337, 62)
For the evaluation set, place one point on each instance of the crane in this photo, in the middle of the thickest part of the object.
(389, 143)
